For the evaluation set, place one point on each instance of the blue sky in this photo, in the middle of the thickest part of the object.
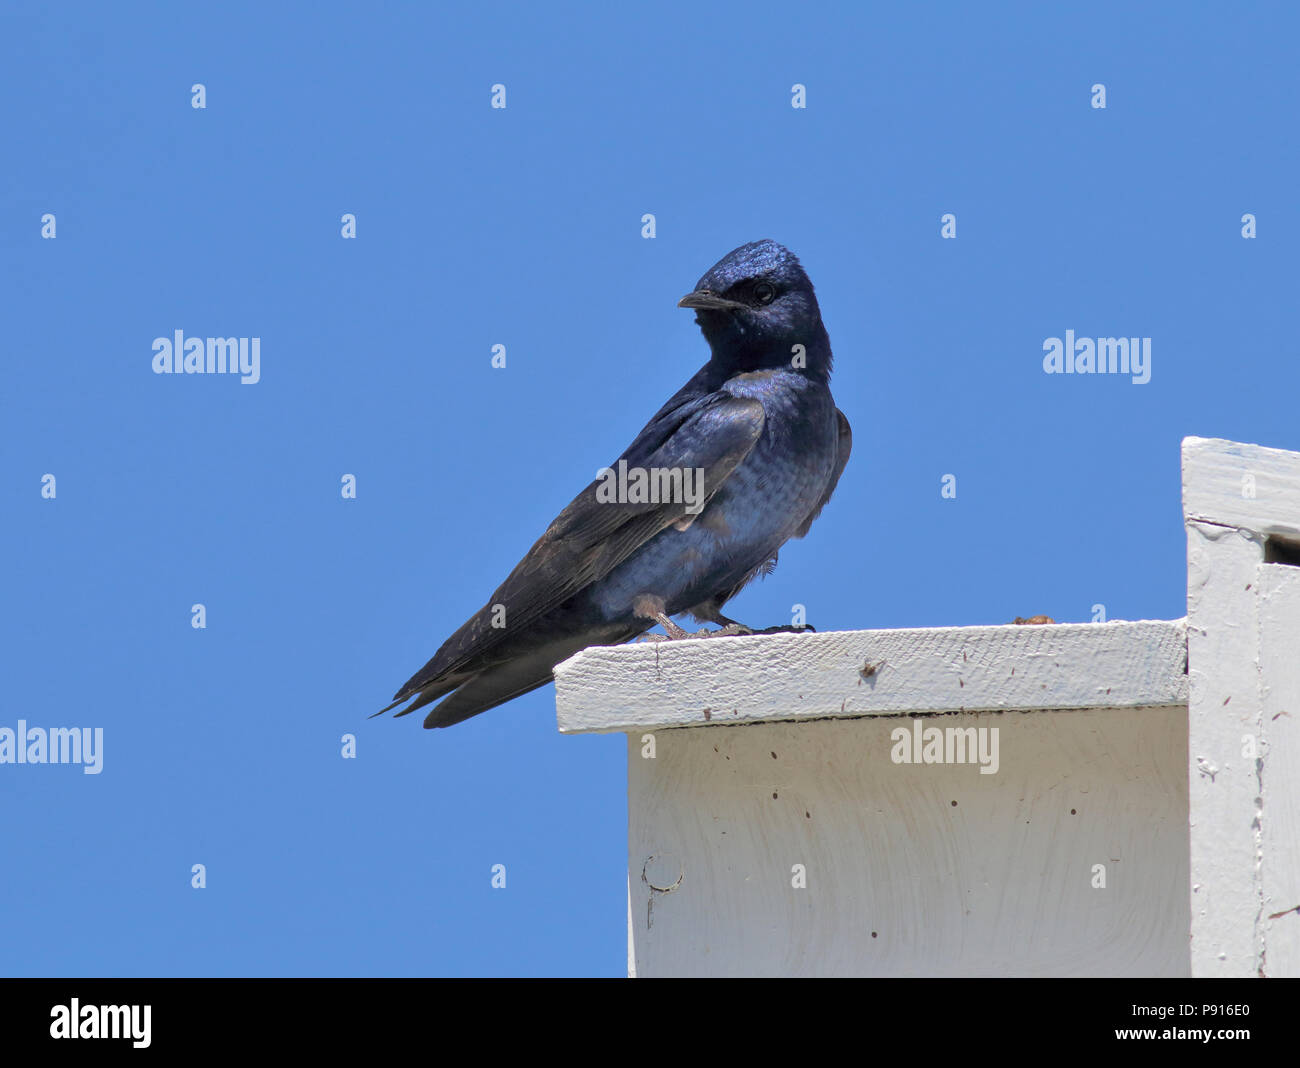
(479, 226)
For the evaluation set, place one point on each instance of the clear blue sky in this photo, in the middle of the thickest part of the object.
(522, 227)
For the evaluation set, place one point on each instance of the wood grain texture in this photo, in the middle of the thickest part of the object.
(1223, 711)
(783, 837)
(912, 869)
(1234, 484)
(872, 672)
(1243, 633)
(1279, 768)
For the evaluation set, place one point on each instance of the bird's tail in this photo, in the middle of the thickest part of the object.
(495, 684)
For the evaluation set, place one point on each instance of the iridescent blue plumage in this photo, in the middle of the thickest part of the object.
(760, 425)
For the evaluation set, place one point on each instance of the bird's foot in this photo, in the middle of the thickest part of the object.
(807, 628)
(724, 632)
(675, 633)
(728, 628)
(731, 630)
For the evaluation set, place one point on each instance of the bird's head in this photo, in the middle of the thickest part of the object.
(755, 305)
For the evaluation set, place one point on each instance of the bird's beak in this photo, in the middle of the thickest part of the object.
(704, 298)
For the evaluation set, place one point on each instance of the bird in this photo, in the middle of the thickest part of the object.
(757, 438)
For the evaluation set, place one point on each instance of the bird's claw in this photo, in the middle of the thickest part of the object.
(729, 630)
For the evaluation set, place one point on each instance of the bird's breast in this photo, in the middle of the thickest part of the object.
(756, 510)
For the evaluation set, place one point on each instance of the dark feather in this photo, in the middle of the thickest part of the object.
(590, 538)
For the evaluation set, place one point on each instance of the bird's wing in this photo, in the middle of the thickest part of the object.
(590, 537)
(844, 447)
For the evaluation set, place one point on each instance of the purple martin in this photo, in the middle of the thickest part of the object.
(741, 459)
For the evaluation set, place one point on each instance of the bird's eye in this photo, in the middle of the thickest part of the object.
(764, 292)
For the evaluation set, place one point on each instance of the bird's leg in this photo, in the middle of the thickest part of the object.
(674, 631)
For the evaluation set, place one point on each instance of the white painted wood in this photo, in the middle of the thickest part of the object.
(900, 881)
(1279, 619)
(1223, 711)
(1243, 626)
(872, 672)
(1247, 486)
(1162, 755)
